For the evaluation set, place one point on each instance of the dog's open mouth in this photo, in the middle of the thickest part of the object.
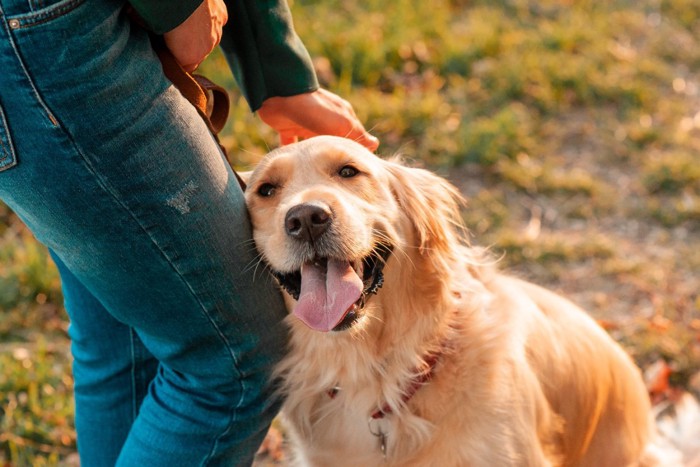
(330, 293)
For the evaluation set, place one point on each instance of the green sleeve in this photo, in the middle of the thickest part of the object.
(163, 15)
(265, 54)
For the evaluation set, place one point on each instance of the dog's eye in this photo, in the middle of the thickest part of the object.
(266, 190)
(348, 171)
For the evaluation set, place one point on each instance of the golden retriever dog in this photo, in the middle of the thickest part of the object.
(408, 348)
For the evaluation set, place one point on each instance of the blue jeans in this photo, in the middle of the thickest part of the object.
(174, 329)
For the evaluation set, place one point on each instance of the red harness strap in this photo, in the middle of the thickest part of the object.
(417, 383)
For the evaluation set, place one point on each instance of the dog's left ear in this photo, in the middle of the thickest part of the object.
(431, 202)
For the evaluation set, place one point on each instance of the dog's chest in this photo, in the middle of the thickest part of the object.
(337, 429)
(350, 446)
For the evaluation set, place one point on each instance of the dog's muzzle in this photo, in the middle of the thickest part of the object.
(330, 288)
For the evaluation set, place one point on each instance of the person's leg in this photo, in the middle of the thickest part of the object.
(120, 178)
(112, 370)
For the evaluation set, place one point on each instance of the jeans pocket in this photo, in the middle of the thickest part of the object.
(43, 11)
(36, 5)
(7, 152)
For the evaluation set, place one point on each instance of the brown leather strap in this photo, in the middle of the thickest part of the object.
(218, 103)
(211, 100)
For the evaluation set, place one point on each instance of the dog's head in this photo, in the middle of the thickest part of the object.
(330, 219)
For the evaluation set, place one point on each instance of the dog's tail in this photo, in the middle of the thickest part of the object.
(676, 442)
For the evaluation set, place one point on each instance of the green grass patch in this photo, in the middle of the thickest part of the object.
(549, 248)
(672, 172)
(36, 405)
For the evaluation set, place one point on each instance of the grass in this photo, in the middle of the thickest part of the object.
(573, 128)
(37, 427)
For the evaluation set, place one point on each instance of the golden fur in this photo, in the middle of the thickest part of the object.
(526, 378)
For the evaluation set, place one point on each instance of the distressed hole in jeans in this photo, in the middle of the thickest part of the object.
(181, 200)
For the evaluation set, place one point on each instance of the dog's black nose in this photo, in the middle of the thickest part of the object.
(307, 221)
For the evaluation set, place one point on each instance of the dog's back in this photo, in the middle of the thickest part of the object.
(587, 379)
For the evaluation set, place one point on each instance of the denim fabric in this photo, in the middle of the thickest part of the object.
(174, 329)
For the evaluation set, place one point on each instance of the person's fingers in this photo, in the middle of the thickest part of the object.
(361, 136)
(316, 113)
(337, 125)
(346, 124)
(195, 38)
(367, 140)
(357, 131)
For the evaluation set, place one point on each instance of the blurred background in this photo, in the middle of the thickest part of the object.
(572, 127)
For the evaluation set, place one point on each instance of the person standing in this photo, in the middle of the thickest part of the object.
(173, 334)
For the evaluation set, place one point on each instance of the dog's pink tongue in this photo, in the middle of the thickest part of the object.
(327, 294)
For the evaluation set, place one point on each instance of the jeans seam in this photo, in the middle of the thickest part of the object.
(35, 91)
(105, 186)
(7, 152)
(215, 446)
(3, 152)
(134, 394)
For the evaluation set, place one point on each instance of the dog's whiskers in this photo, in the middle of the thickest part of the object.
(251, 241)
(254, 264)
(247, 242)
(399, 249)
(265, 266)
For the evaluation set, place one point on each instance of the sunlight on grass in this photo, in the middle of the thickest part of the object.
(36, 427)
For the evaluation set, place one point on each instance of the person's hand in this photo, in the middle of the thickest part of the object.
(314, 113)
(194, 39)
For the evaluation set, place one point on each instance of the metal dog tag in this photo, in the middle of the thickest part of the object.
(378, 428)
